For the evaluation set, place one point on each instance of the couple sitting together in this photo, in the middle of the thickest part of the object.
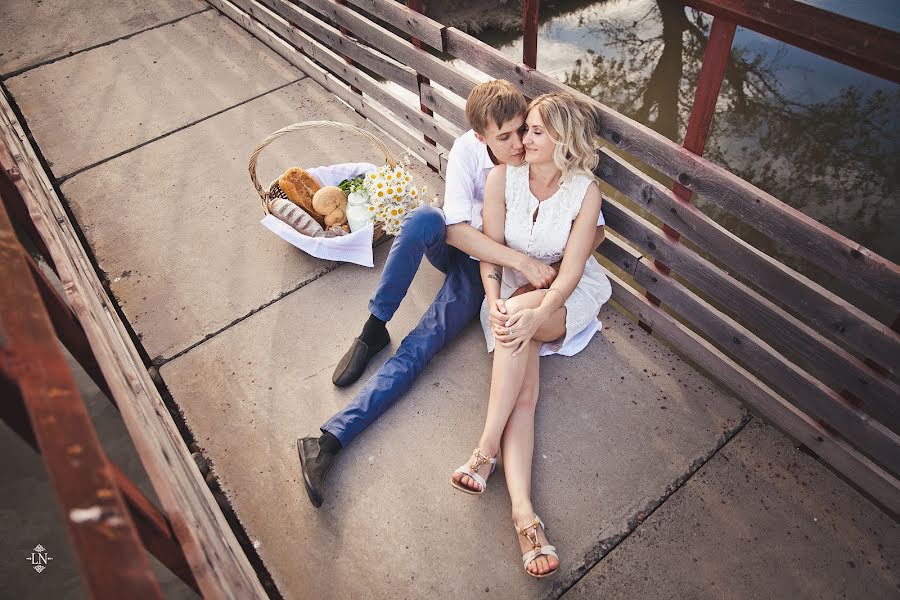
(521, 219)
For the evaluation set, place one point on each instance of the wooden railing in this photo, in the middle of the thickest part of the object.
(807, 359)
(109, 520)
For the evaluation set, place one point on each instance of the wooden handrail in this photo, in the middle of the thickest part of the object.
(826, 360)
(220, 567)
(860, 45)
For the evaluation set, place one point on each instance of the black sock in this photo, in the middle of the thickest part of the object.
(329, 443)
(374, 331)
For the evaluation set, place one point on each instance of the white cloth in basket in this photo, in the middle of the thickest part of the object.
(354, 247)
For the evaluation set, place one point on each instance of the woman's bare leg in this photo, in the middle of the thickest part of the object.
(507, 376)
(518, 450)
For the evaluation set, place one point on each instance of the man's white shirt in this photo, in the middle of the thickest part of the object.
(468, 166)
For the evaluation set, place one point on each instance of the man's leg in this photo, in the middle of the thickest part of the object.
(422, 233)
(455, 305)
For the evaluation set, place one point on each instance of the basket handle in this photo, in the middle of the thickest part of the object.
(367, 136)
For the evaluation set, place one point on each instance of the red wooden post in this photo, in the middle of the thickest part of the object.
(715, 59)
(416, 5)
(530, 9)
(113, 561)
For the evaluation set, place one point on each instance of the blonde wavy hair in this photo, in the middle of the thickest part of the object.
(572, 125)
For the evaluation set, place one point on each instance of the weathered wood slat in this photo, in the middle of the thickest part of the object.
(332, 38)
(801, 389)
(444, 105)
(220, 566)
(394, 46)
(331, 61)
(620, 253)
(493, 62)
(832, 449)
(861, 267)
(281, 19)
(93, 509)
(830, 314)
(865, 47)
(818, 355)
(865, 270)
(416, 24)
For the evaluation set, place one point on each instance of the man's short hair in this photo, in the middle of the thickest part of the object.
(496, 102)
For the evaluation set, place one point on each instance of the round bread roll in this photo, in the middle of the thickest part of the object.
(335, 217)
(329, 198)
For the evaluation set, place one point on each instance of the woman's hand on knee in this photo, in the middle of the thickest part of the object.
(497, 315)
(521, 327)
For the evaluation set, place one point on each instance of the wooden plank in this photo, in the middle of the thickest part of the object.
(332, 38)
(860, 267)
(823, 358)
(830, 314)
(67, 327)
(444, 105)
(416, 6)
(18, 212)
(214, 555)
(155, 530)
(330, 82)
(620, 252)
(405, 19)
(787, 226)
(394, 46)
(831, 448)
(863, 46)
(278, 20)
(96, 519)
(532, 83)
(801, 389)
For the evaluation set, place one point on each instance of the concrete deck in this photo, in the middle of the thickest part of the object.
(247, 331)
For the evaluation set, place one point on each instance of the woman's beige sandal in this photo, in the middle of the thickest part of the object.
(537, 550)
(480, 461)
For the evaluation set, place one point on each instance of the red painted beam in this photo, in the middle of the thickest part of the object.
(712, 72)
(862, 46)
(112, 559)
(530, 10)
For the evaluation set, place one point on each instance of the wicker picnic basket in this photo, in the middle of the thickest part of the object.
(275, 191)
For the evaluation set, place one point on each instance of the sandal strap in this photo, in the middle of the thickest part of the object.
(481, 459)
(534, 523)
(467, 471)
(532, 555)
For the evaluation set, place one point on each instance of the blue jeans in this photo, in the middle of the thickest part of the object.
(457, 302)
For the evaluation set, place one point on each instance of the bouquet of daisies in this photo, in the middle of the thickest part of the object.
(386, 195)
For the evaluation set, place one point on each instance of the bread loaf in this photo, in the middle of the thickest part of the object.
(335, 217)
(296, 217)
(329, 198)
(300, 188)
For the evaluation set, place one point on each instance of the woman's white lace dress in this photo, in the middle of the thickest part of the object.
(544, 237)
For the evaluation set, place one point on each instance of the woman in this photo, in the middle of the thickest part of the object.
(547, 208)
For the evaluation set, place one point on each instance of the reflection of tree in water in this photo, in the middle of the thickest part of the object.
(836, 159)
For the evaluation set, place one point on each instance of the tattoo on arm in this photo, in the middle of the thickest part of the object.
(497, 274)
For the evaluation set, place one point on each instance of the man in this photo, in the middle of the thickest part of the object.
(453, 243)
